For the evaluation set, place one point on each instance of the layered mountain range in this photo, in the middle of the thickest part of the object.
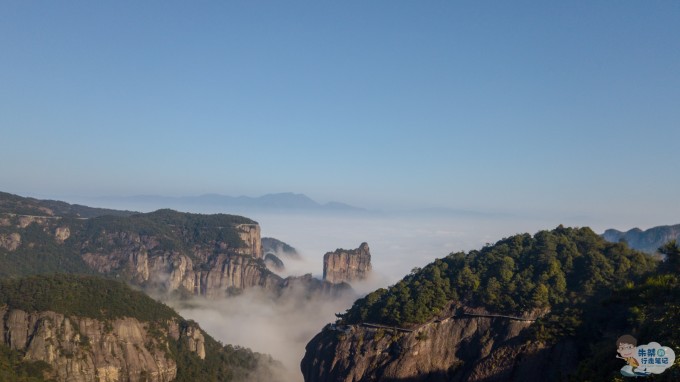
(75, 330)
(206, 255)
(546, 307)
(649, 240)
(278, 202)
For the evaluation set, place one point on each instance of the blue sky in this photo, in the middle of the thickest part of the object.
(569, 108)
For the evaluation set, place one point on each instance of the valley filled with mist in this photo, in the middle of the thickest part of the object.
(280, 291)
(383, 191)
(399, 243)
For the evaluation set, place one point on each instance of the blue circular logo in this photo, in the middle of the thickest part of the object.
(661, 352)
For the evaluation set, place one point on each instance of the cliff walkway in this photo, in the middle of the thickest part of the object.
(438, 320)
(516, 318)
(378, 326)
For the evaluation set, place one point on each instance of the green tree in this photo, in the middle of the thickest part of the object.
(540, 296)
(672, 252)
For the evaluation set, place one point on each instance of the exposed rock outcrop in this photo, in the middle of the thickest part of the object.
(61, 234)
(206, 267)
(172, 270)
(347, 265)
(87, 350)
(462, 347)
(10, 241)
(25, 221)
(250, 234)
(163, 251)
(236, 272)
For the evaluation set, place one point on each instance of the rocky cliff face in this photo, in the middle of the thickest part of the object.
(203, 254)
(10, 241)
(250, 234)
(88, 350)
(347, 265)
(143, 261)
(462, 347)
(163, 251)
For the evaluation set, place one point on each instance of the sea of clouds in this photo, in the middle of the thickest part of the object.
(283, 327)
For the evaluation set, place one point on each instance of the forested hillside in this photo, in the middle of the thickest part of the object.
(165, 249)
(14, 204)
(555, 268)
(579, 291)
(84, 297)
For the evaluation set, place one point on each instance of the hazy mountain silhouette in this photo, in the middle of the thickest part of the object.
(648, 240)
(285, 201)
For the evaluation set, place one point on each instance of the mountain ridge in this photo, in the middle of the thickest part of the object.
(283, 201)
(649, 240)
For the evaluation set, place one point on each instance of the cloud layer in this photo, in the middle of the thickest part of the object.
(282, 327)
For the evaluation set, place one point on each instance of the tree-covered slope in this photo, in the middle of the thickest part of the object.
(15, 204)
(582, 292)
(31, 247)
(179, 231)
(83, 296)
(13, 368)
(43, 237)
(551, 269)
(104, 300)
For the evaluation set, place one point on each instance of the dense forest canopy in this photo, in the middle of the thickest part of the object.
(83, 296)
(102, 299)
(175, 230)
(589, 292)
(513, 276)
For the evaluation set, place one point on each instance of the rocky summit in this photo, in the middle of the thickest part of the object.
(347, 265)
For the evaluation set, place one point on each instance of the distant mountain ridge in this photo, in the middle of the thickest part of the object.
(648, 240)
(284, 201)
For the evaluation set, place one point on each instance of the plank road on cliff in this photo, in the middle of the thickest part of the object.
(462, 315)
